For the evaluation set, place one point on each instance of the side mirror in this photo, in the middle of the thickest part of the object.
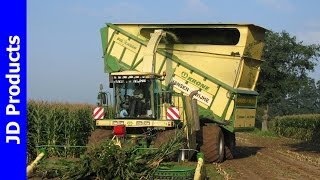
(102, 97)
(110, 81)
(167, 97)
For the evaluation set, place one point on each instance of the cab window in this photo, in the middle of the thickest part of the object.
(133, 99)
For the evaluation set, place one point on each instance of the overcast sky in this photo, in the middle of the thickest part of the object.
(64, 47)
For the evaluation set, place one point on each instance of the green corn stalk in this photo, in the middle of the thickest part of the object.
(109, 161)
(53, 124)
(305, 127)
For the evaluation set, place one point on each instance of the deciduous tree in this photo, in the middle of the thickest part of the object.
(286, 67)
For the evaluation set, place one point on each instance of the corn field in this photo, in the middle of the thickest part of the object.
(61, 128)
(305, 127)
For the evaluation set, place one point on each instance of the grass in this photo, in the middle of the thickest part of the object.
(258, 132)
(212, 173)
(54, 167)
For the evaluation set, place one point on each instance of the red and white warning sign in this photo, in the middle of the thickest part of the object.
(173, 113)
(98, 113)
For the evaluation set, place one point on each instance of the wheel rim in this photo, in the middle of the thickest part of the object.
(221, 146)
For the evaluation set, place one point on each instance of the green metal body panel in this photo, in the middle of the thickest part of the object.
(176, 172)
(182, 170)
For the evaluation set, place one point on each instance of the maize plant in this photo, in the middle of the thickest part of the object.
(108, 161)
(61, 128)
(305, 127)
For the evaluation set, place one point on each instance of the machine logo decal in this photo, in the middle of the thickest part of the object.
(194, 81)
(184, 75)
(126, 43)
(201, 96)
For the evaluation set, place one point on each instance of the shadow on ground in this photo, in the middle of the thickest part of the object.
(246, 151)
(305, 147)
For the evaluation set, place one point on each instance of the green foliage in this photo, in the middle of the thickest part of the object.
(213, 171)
(286, 64)
(304, 127)
(109, 161)
(305, 100)
(284, 74)
(59, 127)
(258, 132)
(54, 167)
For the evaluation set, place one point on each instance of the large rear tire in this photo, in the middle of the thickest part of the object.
(212, 144)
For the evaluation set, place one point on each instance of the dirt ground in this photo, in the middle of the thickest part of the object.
(270, 158)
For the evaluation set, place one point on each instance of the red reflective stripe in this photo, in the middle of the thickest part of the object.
(174, 111)
(97, 111)
(101, 116)
(169, 116)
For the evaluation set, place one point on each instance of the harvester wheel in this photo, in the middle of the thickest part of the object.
(230, 146)
(99, 135)
(212, 144)
(229, 154)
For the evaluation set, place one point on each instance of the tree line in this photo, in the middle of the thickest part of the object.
(285, 85)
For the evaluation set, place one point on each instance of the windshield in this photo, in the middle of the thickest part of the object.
(133, 99)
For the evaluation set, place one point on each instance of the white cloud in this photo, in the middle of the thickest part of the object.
(313, 24)
(119, 11)
(283, 5)
(197, 6)
(193, 10)
(123, 11)
(309, 37)
(309, 32)
(85, 11)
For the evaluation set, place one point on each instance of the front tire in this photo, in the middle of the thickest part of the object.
(230, 147)
(212, 145)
